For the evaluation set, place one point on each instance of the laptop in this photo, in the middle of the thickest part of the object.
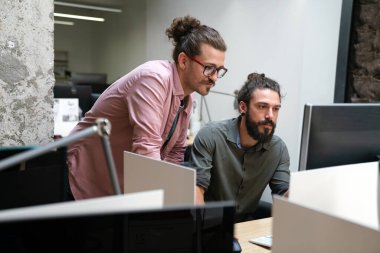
(142, 173)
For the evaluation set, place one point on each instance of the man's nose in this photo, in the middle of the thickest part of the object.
(269, 114)
(214, 77)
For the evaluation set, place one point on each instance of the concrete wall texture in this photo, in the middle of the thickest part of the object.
(26, 72)
(364, 57)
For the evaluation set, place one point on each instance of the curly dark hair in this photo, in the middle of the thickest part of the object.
(256, 81)
(187, 34)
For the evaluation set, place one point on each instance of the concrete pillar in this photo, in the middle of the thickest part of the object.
(26, 72)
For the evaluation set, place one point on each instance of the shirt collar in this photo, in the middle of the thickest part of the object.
(233, 131)
(177, 90)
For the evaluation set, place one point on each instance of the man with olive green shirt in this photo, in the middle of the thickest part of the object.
(236, 159)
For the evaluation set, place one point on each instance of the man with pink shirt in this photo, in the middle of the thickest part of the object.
(149, 108)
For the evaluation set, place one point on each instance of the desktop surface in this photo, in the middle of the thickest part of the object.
(245, 231)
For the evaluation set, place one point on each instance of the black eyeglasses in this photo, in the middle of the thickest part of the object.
(209, 70)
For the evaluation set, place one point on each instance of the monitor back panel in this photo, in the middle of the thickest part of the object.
(339, 134)
(143, 174)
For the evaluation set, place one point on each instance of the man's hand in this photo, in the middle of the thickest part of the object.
(199, 195)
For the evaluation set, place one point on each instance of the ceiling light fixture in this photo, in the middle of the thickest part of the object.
(60, 22)
(63, 15)
(99, 8)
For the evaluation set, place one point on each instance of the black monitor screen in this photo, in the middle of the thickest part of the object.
(207, 228)
(37, 181)
(98, 81)
(339, 134)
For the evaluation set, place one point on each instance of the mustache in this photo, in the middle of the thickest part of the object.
(266, 122)
(210, 81)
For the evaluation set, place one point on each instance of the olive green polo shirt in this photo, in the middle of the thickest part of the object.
(229, 172)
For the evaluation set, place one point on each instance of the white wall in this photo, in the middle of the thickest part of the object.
(78, 43)
(120, 41)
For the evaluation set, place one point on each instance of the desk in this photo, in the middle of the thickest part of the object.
(250, 229)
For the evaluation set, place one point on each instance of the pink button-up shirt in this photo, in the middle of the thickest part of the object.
(141, 107)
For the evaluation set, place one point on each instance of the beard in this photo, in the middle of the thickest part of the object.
(203, 91)
(209, 81)
(253, 129)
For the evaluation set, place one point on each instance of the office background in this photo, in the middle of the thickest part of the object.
(294, 42)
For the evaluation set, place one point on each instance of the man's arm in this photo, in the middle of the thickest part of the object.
(199, 195)
(145, 103)
(201, 159)
(279, 183)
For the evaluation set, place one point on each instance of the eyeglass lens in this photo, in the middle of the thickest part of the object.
(209, 70)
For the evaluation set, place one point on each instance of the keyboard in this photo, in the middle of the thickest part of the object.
(265, 241)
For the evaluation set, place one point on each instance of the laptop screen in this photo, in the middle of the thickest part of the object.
(142, 173)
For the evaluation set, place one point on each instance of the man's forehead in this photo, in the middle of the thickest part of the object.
(265, 95)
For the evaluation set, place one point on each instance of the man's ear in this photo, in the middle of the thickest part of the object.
(182, 60)
(242, 107)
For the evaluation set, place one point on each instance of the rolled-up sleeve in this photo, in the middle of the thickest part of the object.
(145, 104)
(201, 156)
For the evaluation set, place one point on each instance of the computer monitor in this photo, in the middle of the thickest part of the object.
(208, 228)
(82, 92)
(98, 81)
(40, 180)
(339, 134)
